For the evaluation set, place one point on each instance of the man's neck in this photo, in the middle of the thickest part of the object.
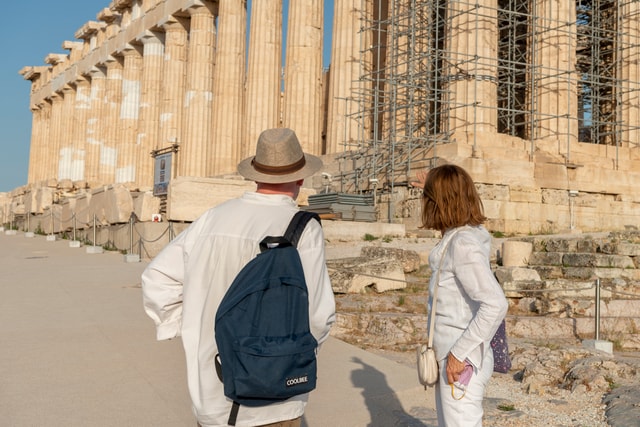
(287, 189)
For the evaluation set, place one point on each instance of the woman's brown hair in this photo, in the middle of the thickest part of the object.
(450, 199)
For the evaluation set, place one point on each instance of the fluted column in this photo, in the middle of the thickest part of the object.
(262, 106)
(35, 148)
(127, 146)
(79, 128)
(556, 100)
(197, 106)
(630, 78)
(53, 144)
(342, 122)
(173, 83)
(303, 73)
(113, 101)
(150, 105)
(472, 68)
(228, 80)
(65, 151)
(96, 128)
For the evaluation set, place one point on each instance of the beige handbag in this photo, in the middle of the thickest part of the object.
(428, 369)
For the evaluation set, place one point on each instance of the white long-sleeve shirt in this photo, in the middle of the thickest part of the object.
(470, 302)
(185, 283)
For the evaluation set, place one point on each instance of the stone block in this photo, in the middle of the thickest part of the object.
(546, 258)
(50, 222)
(580, 273)
(561, 288)
(549, 271)
(119, 204)
(189, 197)
(44, 199)
(145, 205)
(597, 260)
(84, 218)
(629, 249)
(523, 288)
(110, 205)
(67, 214)
(410, 260)
(515, 253)
(561, 245)
(97, 206)
(540, 327)
(65, 184)
(355, 275)
(525, 194)
(514, 274)
(493, 192)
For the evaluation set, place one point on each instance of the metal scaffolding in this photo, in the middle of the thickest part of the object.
(552, 74)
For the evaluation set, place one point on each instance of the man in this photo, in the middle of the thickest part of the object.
(184, 284)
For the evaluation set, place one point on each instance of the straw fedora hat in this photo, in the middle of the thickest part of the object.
(279, 158)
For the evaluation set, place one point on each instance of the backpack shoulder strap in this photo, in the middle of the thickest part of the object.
(297, 225)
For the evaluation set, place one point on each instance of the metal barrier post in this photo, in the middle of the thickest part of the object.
(93, 249)
(131, 257)
(131, 234)
(597, 309)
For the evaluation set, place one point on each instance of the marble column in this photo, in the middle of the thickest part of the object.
(152, 75)
(555, 78)
(79, 128)
(228, 81)
(262, 106)
(194, 147)
(65, 152)
(303, 73)
(173, 83)
(52, 148)
(630, 73)
(35, 148)
(111, 108)
(344, 82)
(472, 66)
(127, 145)
(96, 126)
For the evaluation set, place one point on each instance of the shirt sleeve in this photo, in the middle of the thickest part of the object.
(322, 306)
(162, 283)
(473, 273)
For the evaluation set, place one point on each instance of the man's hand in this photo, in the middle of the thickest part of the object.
(454, 368)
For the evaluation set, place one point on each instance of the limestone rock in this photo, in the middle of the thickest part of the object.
(409, 259)
(355, 275)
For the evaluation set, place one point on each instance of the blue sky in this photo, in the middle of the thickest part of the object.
(30, 31)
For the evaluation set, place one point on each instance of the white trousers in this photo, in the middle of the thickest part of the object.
(466, 412)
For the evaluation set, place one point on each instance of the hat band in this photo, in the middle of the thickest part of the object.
(279, 170)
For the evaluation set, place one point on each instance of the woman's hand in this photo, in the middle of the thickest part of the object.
(454, 368)
(421, 178)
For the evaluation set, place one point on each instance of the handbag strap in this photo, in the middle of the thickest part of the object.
(432, 314)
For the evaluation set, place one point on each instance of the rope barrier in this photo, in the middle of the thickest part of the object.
(150, 240)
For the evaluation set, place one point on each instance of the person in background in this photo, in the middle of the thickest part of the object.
(470, 302)
(184, 284)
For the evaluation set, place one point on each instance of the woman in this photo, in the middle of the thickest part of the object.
(470, 304)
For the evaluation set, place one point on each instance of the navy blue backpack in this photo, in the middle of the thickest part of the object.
(266, 352)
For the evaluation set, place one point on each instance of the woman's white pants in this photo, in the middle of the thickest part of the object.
(466, 412)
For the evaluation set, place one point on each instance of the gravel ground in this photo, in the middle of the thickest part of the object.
(506, 404)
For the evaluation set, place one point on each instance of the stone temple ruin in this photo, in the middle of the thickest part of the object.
(153, 104)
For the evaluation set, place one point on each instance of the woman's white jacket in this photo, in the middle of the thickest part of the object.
(470, 302)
